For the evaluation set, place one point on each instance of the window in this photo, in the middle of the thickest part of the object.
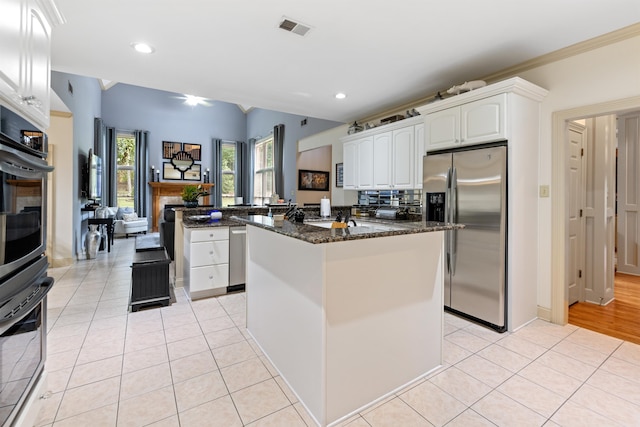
(228, 168)
(125, 169)
(263, 176)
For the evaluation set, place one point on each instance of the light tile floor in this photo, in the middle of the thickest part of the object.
(193, 364)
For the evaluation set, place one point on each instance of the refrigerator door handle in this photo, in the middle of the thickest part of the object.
(447, 219)
(454, 218)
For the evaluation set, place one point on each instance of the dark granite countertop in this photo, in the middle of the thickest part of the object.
(366, 229)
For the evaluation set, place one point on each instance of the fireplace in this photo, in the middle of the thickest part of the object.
(162, 191)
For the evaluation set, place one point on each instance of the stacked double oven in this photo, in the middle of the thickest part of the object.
(23, 264)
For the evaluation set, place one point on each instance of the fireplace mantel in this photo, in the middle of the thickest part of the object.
(171, 189)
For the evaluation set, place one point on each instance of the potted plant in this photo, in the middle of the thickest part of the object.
(191, 194)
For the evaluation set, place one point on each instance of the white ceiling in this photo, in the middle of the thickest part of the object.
(383, 54)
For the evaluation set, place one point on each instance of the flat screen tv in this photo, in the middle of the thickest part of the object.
(94, 176)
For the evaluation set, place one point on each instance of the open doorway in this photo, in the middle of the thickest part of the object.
(560, 197)
(603, 160)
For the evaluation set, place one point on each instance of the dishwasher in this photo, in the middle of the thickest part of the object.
(237, 248)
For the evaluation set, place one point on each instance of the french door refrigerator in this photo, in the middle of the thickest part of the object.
(469, 186)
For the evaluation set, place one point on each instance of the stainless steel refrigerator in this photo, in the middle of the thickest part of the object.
(470, 187)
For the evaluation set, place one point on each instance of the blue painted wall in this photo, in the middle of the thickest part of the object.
(168, 118)
(84, 104)
(260, 123)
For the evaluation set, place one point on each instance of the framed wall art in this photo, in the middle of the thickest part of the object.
(313, 180)
(339, 174)
(169, 172)
(193, 174)
(193, 149)
(170, 148)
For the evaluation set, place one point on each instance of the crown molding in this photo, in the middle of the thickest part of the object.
(558, 55)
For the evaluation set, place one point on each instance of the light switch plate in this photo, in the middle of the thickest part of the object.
(544, 191)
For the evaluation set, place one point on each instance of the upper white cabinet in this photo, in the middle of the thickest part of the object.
(484, 120)
(418, 156)
(443, 129)
(384, 157)
(475, 122)
(25, 67)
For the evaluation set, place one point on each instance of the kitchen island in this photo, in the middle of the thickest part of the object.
(347, 316)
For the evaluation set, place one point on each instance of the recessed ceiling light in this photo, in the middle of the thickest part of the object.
(193, 100)
(341, 95)
(142, 47)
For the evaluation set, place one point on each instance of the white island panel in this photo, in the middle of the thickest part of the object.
(346, 323)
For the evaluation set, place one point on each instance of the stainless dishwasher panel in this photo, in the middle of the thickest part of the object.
(237, 247)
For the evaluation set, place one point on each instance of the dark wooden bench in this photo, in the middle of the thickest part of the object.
(150, 279)
(148, 242)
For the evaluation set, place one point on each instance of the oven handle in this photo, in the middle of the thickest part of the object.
(17, 158)
(25, 307)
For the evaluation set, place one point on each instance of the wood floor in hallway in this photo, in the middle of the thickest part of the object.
(620, 318)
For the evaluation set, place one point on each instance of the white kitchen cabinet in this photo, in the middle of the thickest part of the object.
(25, 67)
(402, 158)
(206, 261)
(364, 162)
(384, 157)
(382, 164)
(442, 129)
(358, 164)
(475, 122)
(350, 165)
(418, 155)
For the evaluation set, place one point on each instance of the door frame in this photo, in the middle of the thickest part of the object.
(559, 242)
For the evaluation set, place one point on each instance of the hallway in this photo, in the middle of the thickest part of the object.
(620, 318)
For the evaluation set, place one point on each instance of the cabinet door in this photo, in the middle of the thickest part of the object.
(209, 277)
(209, 253)
(484, 120)
(365, 163)
(11, 46)
(442, 129)
(382, 165)
(418, 155)
(35, 92)
(402, 158)
(350, 165)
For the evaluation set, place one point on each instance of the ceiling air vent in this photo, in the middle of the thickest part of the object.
(294, 27)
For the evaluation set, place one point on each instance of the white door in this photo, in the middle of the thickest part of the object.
(365, 163)
(628, 194)
(575, 210)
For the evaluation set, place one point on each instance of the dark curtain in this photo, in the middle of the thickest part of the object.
(248, 170)
(216, 172)
(142, 167)
(111, 163)
(104, 146)
(278, 159)
(241, 153)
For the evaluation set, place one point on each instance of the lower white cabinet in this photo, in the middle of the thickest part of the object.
(206, 261)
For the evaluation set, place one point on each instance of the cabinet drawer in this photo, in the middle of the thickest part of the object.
(209, 277)
(208, 234)
(209, 253)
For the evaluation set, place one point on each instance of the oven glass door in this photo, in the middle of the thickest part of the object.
(22, 209)
(22, 361)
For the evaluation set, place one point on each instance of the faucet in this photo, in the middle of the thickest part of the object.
(347, 219)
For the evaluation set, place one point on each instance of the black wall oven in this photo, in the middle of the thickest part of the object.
(24, 283)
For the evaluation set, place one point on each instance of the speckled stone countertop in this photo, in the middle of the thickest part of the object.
(366, 230)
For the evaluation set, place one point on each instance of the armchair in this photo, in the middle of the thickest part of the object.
(127, 222)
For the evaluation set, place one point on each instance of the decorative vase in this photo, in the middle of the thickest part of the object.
(191, 204)
(101, 212)
(92, 241)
